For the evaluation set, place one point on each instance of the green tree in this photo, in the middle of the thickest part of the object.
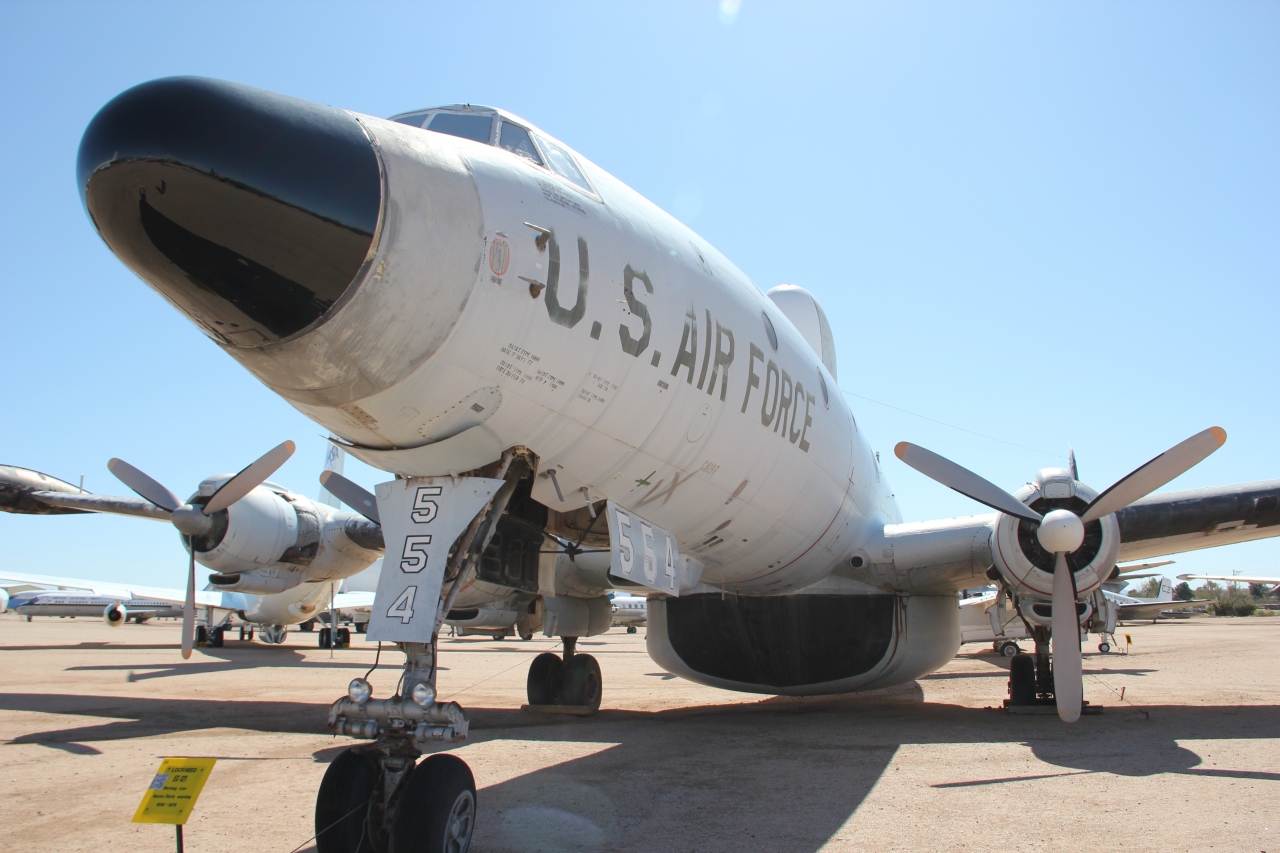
(1260, 590)
(1209, 590)
(1233, 601)
(1182, 592)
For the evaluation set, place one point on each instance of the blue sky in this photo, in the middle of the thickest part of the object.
(1044, 223)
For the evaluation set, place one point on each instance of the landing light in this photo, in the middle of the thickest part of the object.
(359, 691)
(423, 694)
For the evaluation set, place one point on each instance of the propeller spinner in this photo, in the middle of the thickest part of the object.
(1062, 532)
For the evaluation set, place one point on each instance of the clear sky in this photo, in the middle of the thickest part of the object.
(1035, 223)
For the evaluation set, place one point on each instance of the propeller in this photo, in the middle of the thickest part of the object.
(195, 520)
(355, 496)
(1061, 532)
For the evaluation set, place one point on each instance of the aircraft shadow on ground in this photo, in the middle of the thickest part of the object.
(795, 769)
(136, 717)
(798, 768)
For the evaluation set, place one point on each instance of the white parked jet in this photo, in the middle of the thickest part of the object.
(471, 305)
(629, 611)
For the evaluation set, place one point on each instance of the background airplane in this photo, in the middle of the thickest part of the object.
(629, 611)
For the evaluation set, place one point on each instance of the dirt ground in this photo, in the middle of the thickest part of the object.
(1189, 760)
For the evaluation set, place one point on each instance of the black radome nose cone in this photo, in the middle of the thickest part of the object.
(252, 212)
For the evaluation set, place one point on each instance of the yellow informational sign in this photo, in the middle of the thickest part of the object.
(172, 793)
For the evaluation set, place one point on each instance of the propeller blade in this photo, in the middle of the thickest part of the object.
(1167, 466)
(144, 485)
(189, 605)
(354, 496)
(250, 478)
(1068, 682)
(962, 480)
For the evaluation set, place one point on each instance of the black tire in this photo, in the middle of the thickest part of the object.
(341, 823)
(631, 629)
(323, 638)
(437, 808)
(202, 635)
(1022, 680)
(309, 625)
(1104, 647)
(583, 683)
(343, 640)
(546, 675)
(1009, 648)
(216, 638)
(362, 627)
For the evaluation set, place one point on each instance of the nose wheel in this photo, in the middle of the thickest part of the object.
(433, 804)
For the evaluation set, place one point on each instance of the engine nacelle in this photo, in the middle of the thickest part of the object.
(115, 615)
(1026, 566)
(257, 531)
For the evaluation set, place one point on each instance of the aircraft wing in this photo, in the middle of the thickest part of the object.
(1174, 522)
(938, 557)
(103, 503)
(29, 492)
(1231, 578)
(353, 600)
(204, 598)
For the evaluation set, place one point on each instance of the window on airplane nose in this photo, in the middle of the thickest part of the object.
(473, 127)
(516, 140)
(412, 119)
(562, 164)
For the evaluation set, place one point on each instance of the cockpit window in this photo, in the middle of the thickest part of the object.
(412, 119)
(562, 164)
(474, 127)
(516, 140)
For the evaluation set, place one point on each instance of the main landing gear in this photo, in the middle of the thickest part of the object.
(1031, 676)
(574, 680)
(211, 638)
(341, 638)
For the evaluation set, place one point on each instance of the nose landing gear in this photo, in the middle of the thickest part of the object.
(378, 798)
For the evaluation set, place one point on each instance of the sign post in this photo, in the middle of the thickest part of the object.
(173, 792)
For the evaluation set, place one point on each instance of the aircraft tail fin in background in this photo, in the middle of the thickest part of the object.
(1166, 590)
(333, 461)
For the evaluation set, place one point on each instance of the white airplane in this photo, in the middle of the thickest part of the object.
(276, 556)
(469, 304)
(1131, 607)
(629, 611)
(991, 617)
(114, 610)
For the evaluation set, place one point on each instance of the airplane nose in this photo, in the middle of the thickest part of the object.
(252, 212)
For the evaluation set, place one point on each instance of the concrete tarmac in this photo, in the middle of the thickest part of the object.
(1189, 760)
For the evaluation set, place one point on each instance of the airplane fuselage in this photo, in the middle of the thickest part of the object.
(643, 370)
